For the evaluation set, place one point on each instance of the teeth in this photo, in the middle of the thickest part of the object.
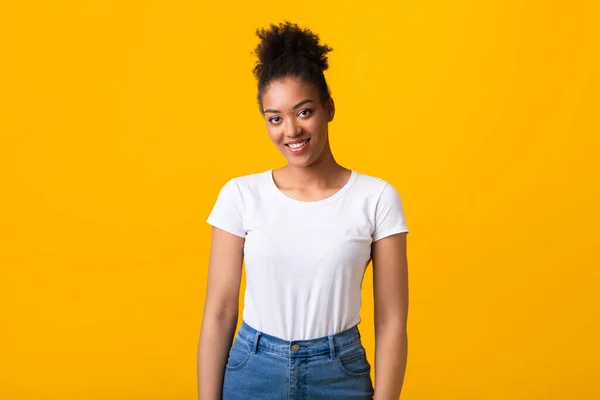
(297, 145)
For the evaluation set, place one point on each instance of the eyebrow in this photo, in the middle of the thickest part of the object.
(296, 106)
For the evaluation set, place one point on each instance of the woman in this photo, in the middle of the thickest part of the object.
(306, 231)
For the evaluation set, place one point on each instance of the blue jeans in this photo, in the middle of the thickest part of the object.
(261, 366)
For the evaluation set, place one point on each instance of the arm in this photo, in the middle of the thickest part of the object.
(390, 288)
(220, 312)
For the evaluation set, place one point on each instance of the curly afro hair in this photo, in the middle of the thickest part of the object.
(286, 50)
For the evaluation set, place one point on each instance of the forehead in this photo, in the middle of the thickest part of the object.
(285, 93)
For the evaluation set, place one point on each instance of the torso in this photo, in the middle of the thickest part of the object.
(305, 260)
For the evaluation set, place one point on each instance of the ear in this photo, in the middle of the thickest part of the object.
(330, 109)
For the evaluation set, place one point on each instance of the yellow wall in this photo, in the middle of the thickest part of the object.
(120, 121)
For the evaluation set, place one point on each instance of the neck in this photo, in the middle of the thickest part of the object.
(322, 172)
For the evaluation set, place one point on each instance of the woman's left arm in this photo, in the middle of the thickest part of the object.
(390, 288)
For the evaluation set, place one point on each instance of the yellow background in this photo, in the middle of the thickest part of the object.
(120, 121)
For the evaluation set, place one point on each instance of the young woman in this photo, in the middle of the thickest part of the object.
(306, 232)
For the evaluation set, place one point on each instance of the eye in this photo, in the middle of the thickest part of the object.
(272, 119)
(307, 112)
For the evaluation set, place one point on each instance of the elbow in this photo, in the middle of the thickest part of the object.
(394, 321)
(222, 311)
(223, 314)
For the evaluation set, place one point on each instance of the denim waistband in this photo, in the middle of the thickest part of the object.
(299, 348)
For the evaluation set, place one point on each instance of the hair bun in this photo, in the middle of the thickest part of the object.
(289, 40)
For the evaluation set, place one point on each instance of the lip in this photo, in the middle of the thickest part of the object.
(301, 149)
(297, 141)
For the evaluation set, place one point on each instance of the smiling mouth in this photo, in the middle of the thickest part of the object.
(298, 145)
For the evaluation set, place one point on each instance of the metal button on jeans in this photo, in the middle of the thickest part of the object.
(295, 347)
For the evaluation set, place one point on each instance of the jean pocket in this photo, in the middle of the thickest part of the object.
(354, 362)
(239, 354)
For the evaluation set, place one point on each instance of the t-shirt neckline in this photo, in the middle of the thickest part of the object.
(291, 200)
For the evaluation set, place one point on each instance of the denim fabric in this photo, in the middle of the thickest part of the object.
(261, 366)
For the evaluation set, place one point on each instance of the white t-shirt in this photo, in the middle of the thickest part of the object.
(305, 261)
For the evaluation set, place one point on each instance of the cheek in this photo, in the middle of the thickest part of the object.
(274, 134)
(316, 126)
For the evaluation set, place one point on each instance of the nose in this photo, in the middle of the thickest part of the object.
(292, 129)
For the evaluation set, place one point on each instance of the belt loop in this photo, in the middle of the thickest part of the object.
(357, 330)
(331, 347)
(256, 337)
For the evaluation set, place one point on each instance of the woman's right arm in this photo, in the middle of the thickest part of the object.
(220, 311)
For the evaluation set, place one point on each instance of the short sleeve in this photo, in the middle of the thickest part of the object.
(227, 211)
(389, 214)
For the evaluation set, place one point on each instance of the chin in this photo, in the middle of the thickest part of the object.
(298, 163)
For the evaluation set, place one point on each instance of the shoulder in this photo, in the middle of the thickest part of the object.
(375, 186)
(236, 196)
(251, 179)
(385, 205)
(252, 183)
(242, 187)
